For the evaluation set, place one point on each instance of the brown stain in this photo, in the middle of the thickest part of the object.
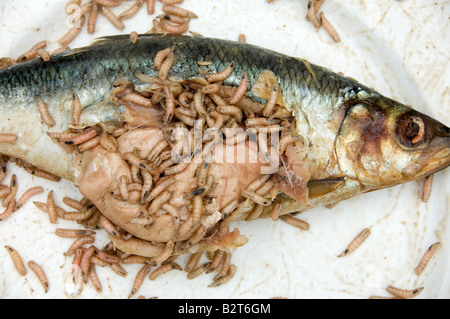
(374, 126)
(371, 122)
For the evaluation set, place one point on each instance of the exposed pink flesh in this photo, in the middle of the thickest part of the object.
(231, 171)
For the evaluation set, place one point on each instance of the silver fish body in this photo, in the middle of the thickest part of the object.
(355, 136)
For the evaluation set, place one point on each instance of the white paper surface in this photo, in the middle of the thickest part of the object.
(400, 48)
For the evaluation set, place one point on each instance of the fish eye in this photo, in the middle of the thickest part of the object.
(411, 129)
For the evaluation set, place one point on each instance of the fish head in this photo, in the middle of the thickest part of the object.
(383, 143)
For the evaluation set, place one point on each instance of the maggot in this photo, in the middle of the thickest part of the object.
(356, 242)
(171, 9)
(136, 128)
(40, 274)
(426, 258)
(35, 190)
(17, 260)
(46, 117)
(139, 279)
(163, 269)
(131, 11)
(112, 17)
(222, 75)
(403, 293)
(174, 28)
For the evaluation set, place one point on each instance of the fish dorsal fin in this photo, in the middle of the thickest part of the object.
(97, 42)
(105, 40)
(111, 38)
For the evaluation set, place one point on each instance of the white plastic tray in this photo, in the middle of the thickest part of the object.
(401, 48)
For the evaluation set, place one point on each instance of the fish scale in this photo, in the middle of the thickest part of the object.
(118, 57)
(333, 113)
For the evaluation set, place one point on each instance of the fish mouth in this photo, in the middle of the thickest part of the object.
(436, 155)
(436, 158)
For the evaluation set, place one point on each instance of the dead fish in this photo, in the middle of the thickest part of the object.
(355, 140)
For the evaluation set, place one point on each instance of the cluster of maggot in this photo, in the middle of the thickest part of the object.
(318, 19)
(174, 19)
(180, 110)
(198, 105)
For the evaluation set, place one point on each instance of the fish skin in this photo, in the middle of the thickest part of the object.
(325, 104)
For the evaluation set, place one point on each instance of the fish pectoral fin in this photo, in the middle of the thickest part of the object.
(99, 112)
(317, 188)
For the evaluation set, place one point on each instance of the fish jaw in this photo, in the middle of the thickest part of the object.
(433, 153)
(382, 143)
